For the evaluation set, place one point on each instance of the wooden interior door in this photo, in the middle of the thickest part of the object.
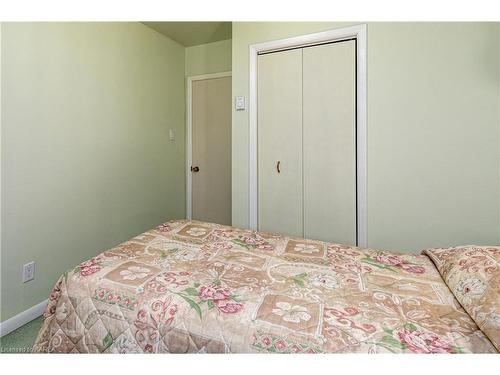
(329, 142)
(280, 142)
(211, 150)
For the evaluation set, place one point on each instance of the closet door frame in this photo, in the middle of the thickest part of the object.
(359, 33)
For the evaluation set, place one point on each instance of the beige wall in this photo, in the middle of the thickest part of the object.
(86, 160)
(433, 130)
(208, 58)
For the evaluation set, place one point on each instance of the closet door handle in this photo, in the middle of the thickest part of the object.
(278, 166)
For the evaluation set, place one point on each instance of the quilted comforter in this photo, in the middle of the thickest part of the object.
(190, 286)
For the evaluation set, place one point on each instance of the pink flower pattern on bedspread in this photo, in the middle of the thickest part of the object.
(473, 275)
(189, 286)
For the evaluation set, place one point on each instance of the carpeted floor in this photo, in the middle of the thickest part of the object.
(22, 339)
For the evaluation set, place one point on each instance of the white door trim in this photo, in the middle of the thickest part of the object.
(358, 32)
(189, 134)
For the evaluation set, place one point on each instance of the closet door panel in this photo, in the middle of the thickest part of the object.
(280, 140)
(329, 142)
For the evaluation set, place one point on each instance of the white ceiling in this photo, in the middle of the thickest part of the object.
(193, 33)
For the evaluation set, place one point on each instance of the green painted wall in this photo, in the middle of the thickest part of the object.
(209, 58)
(498, 65)
(1, 184)
(433, 130)
(86, 158)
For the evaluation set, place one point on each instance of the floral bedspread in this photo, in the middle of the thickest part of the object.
(473, 275)
(190, 286)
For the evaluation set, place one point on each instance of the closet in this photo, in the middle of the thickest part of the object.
(307, 142)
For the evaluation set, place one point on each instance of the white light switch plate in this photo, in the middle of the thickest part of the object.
(28, 272)
(239, 103)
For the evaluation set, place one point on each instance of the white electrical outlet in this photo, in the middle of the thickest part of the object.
(28, 272)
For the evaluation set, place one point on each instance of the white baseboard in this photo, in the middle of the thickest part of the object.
(22, 318)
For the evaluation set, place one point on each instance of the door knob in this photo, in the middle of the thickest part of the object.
(195, 169)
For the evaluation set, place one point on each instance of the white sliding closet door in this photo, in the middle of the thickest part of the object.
(329, 140)
(307, 124)
(280, 141)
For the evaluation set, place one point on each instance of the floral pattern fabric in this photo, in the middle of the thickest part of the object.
(190, 286)
(473, 275)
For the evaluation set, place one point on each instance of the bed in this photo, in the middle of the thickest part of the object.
(189, 286)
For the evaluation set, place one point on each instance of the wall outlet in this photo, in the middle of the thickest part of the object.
(28, 272)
